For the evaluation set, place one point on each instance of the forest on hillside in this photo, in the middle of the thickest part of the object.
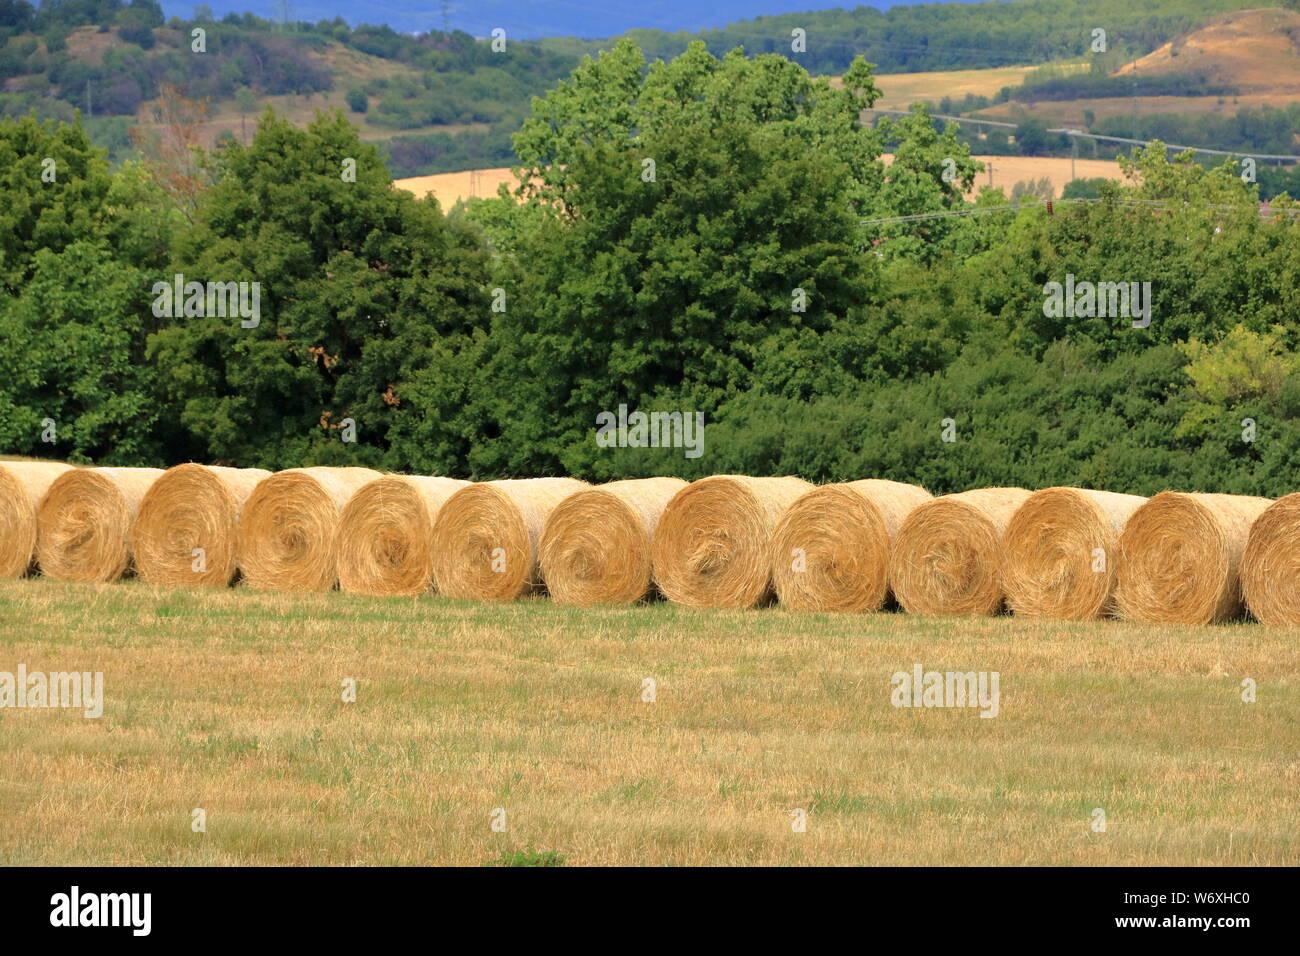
(447, 101)
(940, 36)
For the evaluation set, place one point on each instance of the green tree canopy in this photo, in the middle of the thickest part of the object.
(361, 286)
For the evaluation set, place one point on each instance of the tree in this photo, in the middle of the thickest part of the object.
(361, 288)
(71, 350)
(170, 148)
(1244, 371)
(695, 233)
(78, 246)
(931, 172)
(1034, 140)
(1035, 188)
(1083, 188)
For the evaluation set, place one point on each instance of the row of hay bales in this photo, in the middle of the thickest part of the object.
(723, 541)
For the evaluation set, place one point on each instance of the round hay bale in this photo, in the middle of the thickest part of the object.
(85, 522)
(22, 486)
(947, 557)
(1180, 555)
(1270, 565)
(385, 536)
(714, 543)
(486, 536)
(595, 546)
(287, 529)
(192, 507)
(1060, 553)
(830, 550)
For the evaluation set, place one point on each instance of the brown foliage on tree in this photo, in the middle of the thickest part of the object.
(170, 147)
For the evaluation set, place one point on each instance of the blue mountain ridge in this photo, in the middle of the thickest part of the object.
(521, 19)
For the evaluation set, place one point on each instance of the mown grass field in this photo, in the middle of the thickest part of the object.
(231, 701)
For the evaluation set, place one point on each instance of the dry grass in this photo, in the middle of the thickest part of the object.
(1251, 49)
(898, 91)
(230, 701)
(449, 188)
(1071, 113)
(1002, 172)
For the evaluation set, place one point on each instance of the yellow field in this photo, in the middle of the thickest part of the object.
(1005, 171)
(230, 702)
(901, 90)
(1071, 112)
(448, 188)
(1250, 50)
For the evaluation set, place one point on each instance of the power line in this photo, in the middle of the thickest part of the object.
(1066, 131)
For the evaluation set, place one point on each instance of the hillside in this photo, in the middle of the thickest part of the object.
(1257, 51)
(439, 101)
(345, 67)
(110, 61)
(1231, 83)
(941, 36)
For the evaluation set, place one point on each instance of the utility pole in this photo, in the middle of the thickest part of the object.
(89, 111)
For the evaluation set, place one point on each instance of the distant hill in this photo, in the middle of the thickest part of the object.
(944, 36)
(1256, 51)
(526, 19)
(445, 101)
(1232, 83)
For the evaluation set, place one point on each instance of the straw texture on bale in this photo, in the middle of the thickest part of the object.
(947, 557)
(1180, 555)
(1270, 565)
(85, 522)
(22, 486)
(385, 536)
(1060, 553)
(192, 507)
(595, 546)
(486, 537)
(713, 546)
(830, 550)
(288, 525)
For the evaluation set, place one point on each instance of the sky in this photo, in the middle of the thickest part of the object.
(525, 19)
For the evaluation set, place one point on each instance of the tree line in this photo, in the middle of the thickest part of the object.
(705, 234)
